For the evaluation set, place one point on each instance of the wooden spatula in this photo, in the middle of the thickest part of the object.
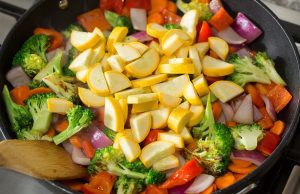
(40, 159)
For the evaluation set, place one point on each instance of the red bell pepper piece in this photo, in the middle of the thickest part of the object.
(170, 17)
(141, 4)
(152, 136)
(186, 173)
(102, 183)
(268, 143)
(204, 33)
(107, 5)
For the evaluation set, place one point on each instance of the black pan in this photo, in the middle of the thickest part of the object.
(276, 41)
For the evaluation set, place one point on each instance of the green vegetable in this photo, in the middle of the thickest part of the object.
(203, 8)
(116, 20)
(114, 161)
(78, 118)
(54, 65)
(245, 71)
(246, 137)
(67, 32)
(37, 105)
(213, 98)
(19, 116)
(62, 86)
(214, 143)
(72, 54)
(27, 134)
(172, 26)
(109, 133)
(264, 62)
(126, 185)
(36, 84)
(32, 55)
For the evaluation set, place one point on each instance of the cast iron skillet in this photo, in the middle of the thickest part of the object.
(280, 46)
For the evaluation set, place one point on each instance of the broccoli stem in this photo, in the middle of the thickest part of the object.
(119, 171)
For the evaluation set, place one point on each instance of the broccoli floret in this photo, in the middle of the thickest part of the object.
(67, 32)
(78, 118)
(172, 26)
(36, 84)
(245, 71)
(62, 86)
(117, 20)
(54, 65)
(264, 62)
(27, 134)
(37, 105)
(19, 116)
(126, 185)
(203, 8)
(114, 161)
(246, 137)
(214, 143)
(109, 133)
(32, 55)
(72, 54)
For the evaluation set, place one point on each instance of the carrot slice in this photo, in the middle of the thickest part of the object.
(225, 181)
(280, 97)
(221, 20)
(158, 5)
(88, 148)
(231, 124)
(156, 18)
(239, 177)
(209, 190)
(172, 7)
(217, 109)
(256, 98)
(41, 90)
(266, 122)
(57, 38)
(237, 169)
(261, 88)
(20, 94)
(75, 141)
(92, 19)
(51, 132)
(278, 127)
(241, 163)
(62, 125)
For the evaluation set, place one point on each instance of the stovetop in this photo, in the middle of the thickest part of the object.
(284, 177)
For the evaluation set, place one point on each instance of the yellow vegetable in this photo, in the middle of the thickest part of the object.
(166, 163)
(117, 35)
(59, 105)
(142, 98)
(100, 34)
(200, 85)
(104, 63)
(169, 101)
(156, 46)
(180, 60)
(130, 148)
(124, 94)
(116, 63)
(215, 67)
(149, 81)
(82, 61)
(82, 75)
(124, 106)
(155, 30)
(220, 46)
(127, 52)
(140, 126)
(174, 138)
(171, 44)
(182, 35)
(116, 81)
(98, 53)
(83, 40)
(197, 115)
(142, 48)
(202, 48)
(160, 118)
(185, 105)
(193, 54)
(225, 90)
(182, 52)
(189, 22)
(89, 98)
(178, 119)
(191, 95)
(113, 116)
(181, 68)
(186, 135)
(156, 151)
(127, 133)
(96, 81)
(144, 107)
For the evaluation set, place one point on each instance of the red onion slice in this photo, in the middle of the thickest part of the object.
(179, 189)
(68, 146)
(269, 107)
(202, 182)
(244, 113)
(215, 5)
(236, 102)
(98, 138)
(78, 157)
(244, 52)
(246, 28)
(17, 77)
(252, 156)
(230, 36)
(142, 36)
(256, 114)
(228, 111)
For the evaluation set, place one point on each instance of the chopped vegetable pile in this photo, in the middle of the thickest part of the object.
(148, 100)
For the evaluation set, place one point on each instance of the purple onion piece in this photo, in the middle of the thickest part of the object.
(252, 156)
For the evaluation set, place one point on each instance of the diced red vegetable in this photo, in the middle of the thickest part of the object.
(141, 4)
(204, 33)
(102, 183)
(269, 143)
(266, 122)
(279, 96)
(92, 19)
(221, 20)
(56, 38)
(170, 17)
(152, 136)
(186, 173)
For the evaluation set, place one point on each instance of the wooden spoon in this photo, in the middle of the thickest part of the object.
(39, 159)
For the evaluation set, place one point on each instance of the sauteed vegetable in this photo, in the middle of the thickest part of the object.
(148, 100)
